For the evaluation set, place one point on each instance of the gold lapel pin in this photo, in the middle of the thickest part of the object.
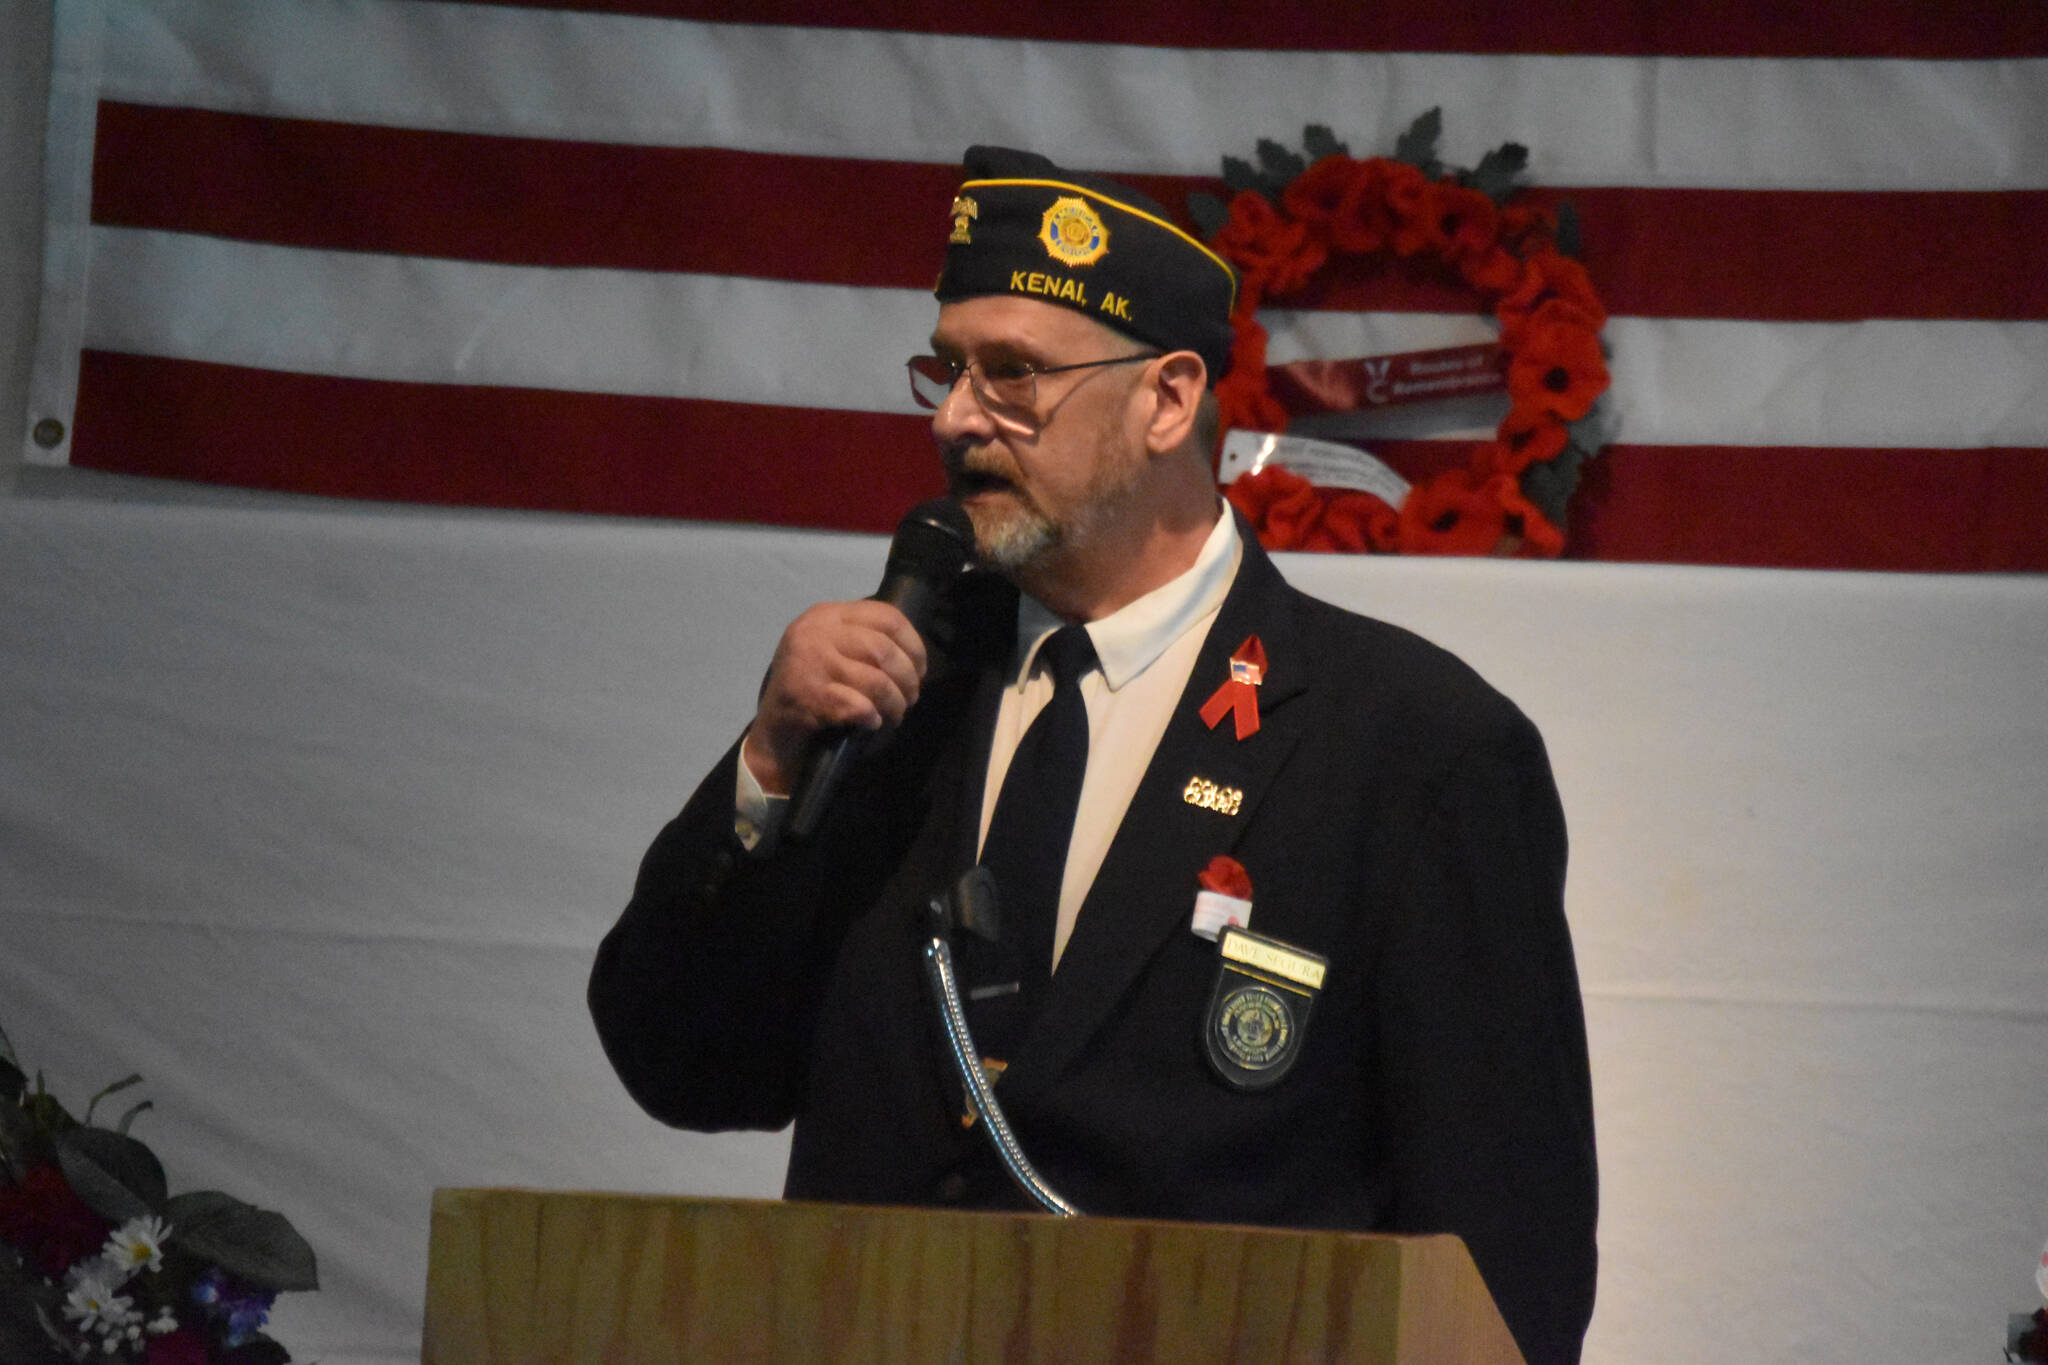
(1200, 791)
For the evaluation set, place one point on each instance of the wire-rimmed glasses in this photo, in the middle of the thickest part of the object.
(1008, 389)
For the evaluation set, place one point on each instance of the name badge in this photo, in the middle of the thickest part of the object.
(1258, 1011)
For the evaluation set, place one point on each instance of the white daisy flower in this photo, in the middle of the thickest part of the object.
(137, 1244)
(92, 1303)
(96, 1269)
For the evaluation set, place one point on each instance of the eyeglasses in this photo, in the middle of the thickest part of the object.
(1007, 388)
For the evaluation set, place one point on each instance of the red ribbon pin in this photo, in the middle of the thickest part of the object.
(1239, 694)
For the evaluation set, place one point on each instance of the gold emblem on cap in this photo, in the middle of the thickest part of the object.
(1072, 233)
(965, 211)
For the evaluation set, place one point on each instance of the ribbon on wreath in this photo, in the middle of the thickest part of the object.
(1239, 695)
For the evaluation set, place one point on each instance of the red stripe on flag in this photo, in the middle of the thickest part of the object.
(516, 201)
(1769, 256)
(1804, 508)
(499, 447)
(1778, 256)
(1949, 510)
(1672, 28)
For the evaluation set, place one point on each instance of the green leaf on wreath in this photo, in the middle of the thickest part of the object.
(1568, 229)
(1279, 164)
(1208, 212)
(1550, 485)
(7, 1055)
(1318, 141)
(116, 1176)
(1240, 175)
(1417, 146)
(1596, 429)
(1497, 171)
(251, 1244)
(128, 1117)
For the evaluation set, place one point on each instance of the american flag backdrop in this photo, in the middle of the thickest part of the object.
(665, 259)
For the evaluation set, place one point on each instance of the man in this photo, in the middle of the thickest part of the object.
(1419, 1063)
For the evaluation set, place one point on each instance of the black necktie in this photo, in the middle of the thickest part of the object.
(1026, 848)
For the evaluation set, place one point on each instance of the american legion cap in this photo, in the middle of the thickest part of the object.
(1023, 226)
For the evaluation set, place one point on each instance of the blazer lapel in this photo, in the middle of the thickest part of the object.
(1145, 890)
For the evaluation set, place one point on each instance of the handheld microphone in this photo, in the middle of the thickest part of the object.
(932, 545)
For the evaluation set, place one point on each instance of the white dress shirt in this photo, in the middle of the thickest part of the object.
(1145, 652)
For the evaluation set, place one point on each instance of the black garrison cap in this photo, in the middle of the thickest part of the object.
(1023, 226)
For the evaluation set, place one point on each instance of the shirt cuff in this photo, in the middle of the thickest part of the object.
(757, 816)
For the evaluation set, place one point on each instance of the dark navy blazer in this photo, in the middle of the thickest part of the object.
(1398, 818)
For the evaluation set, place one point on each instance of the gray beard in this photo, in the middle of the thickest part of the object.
(1015, 542)
(1024, 537)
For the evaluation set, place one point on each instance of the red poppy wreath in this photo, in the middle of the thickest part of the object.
(1292, 216)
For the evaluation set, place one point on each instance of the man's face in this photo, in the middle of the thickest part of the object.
(1036, 481)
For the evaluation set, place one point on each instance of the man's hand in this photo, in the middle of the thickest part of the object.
(840, 663)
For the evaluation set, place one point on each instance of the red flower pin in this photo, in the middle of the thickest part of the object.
(1225, 897)
(1239, 695)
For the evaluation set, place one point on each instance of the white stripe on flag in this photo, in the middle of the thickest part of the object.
(372, 316)
(1706, 381)
(1714, 123)
(1677, 381)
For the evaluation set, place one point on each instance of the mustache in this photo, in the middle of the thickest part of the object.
(969, 469)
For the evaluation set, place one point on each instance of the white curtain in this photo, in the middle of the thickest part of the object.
(315, 817)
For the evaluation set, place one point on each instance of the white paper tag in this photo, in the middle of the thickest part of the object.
(1326, 464)
(1214, 911)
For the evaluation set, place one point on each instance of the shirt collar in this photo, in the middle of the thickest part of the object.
(1129, 640)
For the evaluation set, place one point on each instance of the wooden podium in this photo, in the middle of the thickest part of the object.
(536, 1276)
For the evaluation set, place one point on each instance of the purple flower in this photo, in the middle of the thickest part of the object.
(206, 1291)
(246, 1315)
(242, 1310)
